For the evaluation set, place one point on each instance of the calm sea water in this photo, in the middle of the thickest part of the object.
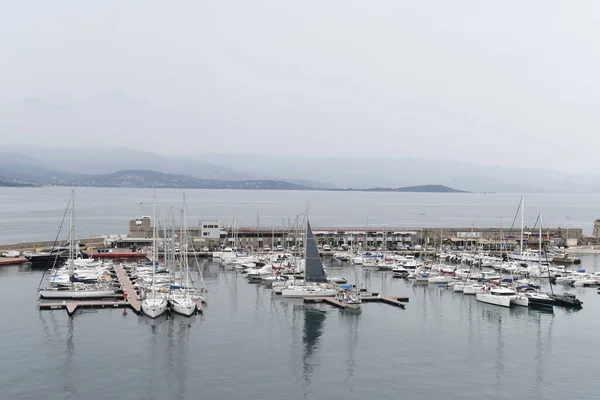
(30, 214)
(250, 344)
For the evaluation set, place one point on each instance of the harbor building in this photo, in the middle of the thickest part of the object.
(211, 233)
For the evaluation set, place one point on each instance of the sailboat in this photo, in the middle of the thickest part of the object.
(72, 289)
(154, 302)
(180, 297)
(315, 281)
(349, 296)
(537, 298)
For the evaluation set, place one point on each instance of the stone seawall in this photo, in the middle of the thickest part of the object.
(32, 246)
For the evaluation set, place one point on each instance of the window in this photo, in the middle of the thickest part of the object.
(205, 233)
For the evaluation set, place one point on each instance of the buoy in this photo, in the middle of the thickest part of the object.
(124, 313)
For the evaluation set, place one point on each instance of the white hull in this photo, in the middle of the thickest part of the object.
(352, 306)
(519, 300)
(472, 290)
(75, 294)
(458, 288)
(154, 307)
(439, 279)
(185, 307)
(308, 292)
(503, 301)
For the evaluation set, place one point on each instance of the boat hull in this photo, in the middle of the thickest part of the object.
(352, 306)
(458, 288)
(299, 293)
(187, 308)
(154, 309)
(502, 301)
(472, 290)
(522, 301)
(76, 294)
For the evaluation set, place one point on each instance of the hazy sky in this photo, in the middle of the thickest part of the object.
(496, 82)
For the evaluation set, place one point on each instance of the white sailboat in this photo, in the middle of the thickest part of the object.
(180, 297)
(316, 284)
(350, 298)
(154, 303)
(66, 288)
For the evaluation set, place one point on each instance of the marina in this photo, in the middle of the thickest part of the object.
(443, 319)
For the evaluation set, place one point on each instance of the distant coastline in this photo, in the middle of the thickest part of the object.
(407, 189)
(153, 179)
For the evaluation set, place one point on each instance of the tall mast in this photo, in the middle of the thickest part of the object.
(306, 233)
(165, 253)
(185, 245)
(71, 237)
(182, 244)
(522, 222)
(153, 242)
(72, 229)
(540, 247)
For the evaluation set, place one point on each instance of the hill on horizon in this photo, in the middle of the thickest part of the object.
(37, 163)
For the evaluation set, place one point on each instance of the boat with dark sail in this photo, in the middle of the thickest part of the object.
(316, 283)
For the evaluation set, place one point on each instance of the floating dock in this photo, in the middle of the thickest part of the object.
(72, 305)
(129, 298)
(397, 301)
(131, 295)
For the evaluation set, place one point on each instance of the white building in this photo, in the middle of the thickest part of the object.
(210, 229)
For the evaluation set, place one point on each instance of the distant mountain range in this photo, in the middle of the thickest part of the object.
(134, 179)
(153, 179)
(96, 166)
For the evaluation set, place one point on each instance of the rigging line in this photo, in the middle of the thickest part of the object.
(515, 218)
(56, 239)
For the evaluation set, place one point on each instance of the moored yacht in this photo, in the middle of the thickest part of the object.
(316, 283)
(498, 296)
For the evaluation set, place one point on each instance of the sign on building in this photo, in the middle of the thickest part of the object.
(468, 235)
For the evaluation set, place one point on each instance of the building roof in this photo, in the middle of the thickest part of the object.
(133, 240)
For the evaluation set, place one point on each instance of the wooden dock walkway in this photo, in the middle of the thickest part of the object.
(397, 301)
(132, 296)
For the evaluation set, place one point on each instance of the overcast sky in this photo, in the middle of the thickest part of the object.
(495, 82)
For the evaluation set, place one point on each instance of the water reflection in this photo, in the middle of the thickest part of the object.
(169, 342)
(177, 358)
(312, 331)
(68, 370)
(17, 269)
(350, 322)
(496, 316)
(53, 336)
